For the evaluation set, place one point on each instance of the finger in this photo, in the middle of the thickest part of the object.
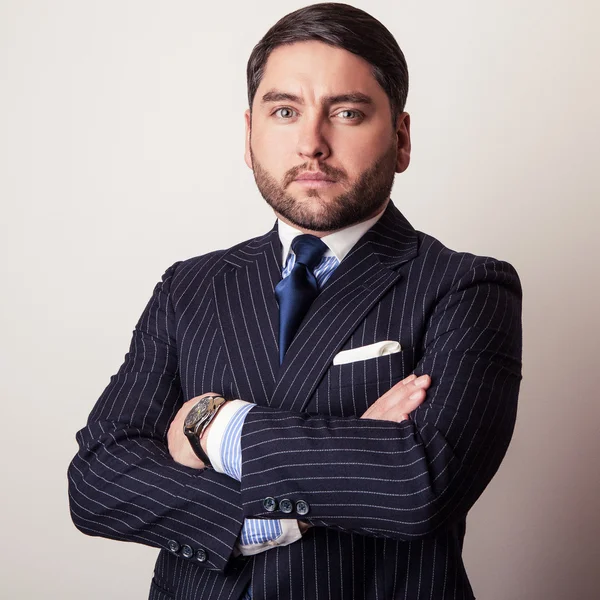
(414, 401)
(403, 392)
(423, 381)
(421, 384)
(398, 398)
(367, 414)
(401, 411)
(410, 381)
(397, 386)
(407, 400)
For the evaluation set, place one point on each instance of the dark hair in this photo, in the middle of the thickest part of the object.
(342, 26)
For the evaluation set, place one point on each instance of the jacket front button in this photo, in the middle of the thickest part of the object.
(302, 507)
(173, 546)
(286, 506)
(186, 551)
(270, 504)
(201, 555)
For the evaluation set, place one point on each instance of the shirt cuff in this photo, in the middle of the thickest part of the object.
(290, 532)
(223, 442)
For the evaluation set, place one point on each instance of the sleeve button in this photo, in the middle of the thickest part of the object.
(270, 504)
(286, 506)
(302, 507)
(173, 546)
(201, 555)
(186, 551)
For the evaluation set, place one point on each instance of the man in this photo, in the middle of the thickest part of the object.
(312, 413)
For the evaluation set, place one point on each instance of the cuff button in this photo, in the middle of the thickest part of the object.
(286, 506)
(201, 555)
(186, 551)
(302, 507)
(173, 546)
(270, 504)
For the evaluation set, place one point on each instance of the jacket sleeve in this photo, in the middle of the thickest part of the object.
(123, 484)
(403, 480)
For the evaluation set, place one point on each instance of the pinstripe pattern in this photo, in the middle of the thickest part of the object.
(254, 531)
(257, 531)
(388, 501)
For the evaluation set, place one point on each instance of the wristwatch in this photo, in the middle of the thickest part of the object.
(198, 419)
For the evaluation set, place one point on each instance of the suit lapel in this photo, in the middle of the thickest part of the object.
(358, 283)
(249, 315)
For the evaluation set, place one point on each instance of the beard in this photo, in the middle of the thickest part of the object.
(369, 193)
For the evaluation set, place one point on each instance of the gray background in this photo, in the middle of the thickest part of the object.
(121, 142)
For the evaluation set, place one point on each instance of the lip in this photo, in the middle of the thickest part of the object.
(314, 176)
(314, 183)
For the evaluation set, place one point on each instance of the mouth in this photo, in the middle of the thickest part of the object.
(314, 179)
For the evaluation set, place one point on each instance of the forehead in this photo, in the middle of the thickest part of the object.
(314, 69)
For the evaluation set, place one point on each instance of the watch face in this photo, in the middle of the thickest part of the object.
(197, 412)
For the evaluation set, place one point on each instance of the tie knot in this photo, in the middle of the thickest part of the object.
(309, 250)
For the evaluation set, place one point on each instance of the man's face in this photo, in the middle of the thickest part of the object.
(320, 138)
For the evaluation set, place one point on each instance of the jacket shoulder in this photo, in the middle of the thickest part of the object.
(200, 269)
(431, 250)
(455, 269)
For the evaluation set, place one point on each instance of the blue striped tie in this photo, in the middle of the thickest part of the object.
(298, 290)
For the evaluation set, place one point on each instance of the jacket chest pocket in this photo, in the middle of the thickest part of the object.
(349, 389)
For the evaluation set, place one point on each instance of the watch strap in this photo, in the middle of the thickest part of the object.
(194, 440)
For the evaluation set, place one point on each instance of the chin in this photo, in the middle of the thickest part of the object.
(315, 217)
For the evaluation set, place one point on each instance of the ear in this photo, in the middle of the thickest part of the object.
(247, 153)
(403, 142)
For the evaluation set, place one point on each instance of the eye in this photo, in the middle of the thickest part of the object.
(349, 115)
(284, 112)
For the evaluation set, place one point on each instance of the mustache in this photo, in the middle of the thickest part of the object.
(331, 172)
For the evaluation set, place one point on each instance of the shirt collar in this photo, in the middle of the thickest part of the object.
(338, 243)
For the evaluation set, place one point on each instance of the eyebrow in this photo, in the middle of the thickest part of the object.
(349, 98)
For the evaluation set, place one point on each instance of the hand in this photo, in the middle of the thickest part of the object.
(180, 448)
(398, 402)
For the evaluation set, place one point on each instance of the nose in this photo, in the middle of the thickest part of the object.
(312, 139)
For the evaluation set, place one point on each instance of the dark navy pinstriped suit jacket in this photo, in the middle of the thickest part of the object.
(388, 501)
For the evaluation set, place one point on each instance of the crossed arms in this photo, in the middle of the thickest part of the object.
(426, 472)
(395, 405)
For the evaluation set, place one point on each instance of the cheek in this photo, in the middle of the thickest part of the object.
(354, 163)
(273, 154)
(356, 152)
(360, 157)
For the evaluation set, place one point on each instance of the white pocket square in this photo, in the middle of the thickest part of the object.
(366, 352)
